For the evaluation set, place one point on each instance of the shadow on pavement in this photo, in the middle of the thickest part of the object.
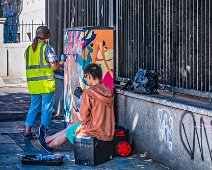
(13, 106)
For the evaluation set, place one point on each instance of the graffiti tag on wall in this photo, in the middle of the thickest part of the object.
(199, 138)
(165, 128)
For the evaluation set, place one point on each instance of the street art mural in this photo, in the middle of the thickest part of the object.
(165, 128)
(83, 46)
(199, 139)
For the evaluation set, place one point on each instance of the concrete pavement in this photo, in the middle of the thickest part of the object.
(13, 81)
(13, 147)
(14, 103)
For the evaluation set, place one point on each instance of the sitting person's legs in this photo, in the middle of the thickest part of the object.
(56, 139)
(62, 136)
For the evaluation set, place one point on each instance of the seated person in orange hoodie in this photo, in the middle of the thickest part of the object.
(96, 114)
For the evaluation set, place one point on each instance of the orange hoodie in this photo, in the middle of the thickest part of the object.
(97, 113)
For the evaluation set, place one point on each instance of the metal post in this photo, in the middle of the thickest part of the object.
(98, 13)
(2, 21)
(22, 32)
(32, 36)
(111, 13)
(117, 37)
(47, 12)
(64, 17)
(60, 28)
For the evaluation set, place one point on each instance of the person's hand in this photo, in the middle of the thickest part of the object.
(78, 92)
(63, 57)
(61, 63)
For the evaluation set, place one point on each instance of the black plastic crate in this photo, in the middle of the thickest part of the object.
(91, 151)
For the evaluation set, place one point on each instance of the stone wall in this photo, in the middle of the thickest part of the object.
(12, 55)
(173, 131)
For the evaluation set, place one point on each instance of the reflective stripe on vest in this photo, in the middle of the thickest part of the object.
(41, 60)
(40, 78)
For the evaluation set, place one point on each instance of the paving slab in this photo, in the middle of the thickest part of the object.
(14, 104)
(7, 148)
(12, 127)
(5, 139)
(1, 82)
(13, 81)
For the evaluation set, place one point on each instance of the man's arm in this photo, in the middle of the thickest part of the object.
(56, 65)
(85, 109)
(51, 58)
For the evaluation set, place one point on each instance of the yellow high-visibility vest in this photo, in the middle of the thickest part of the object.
(39, 74)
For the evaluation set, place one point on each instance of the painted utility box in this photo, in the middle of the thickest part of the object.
(83, 46)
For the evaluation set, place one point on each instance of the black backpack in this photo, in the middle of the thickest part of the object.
(145, 82)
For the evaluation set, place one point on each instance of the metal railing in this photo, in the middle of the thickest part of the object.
(172, 37)
(21, 32)
(80, 13)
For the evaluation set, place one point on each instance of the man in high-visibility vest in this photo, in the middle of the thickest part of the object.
(41, 61)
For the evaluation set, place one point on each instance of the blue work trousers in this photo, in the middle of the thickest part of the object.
(40, 103)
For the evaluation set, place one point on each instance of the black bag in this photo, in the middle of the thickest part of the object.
(145, 82)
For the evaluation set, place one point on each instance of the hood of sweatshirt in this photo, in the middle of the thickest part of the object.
(102, 93)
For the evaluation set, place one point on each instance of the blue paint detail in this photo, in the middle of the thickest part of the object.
(65, 41)
(67, 102)
(66, 124)
(79, 35)
(88, 41)
(84, 81)
(89, 59)
(83, 63)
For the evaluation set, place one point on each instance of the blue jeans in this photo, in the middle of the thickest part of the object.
(40, 103)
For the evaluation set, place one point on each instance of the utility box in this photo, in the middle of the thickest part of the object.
(91, 151)
(84, 46)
